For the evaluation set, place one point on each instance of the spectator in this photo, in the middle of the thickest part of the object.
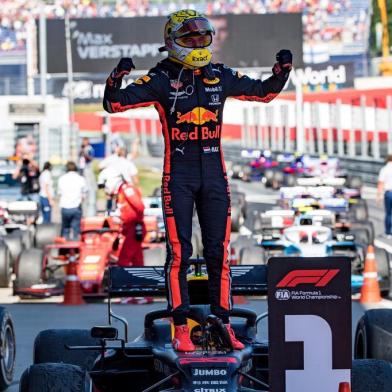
(116, 168)
(384, 189)
(86, 156)
(46, 192)
(72, 190)
(27, 172)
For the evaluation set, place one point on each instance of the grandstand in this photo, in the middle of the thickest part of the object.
(342, 23)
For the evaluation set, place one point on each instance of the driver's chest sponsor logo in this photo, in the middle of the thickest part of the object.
(203, 133)
(197, 116)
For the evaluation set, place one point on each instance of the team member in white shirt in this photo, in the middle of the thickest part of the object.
(384, 188)
(72, 189)
(116, 169)
(46, 192)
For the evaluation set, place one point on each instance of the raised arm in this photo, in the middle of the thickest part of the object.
(244, 88)
(142, 92)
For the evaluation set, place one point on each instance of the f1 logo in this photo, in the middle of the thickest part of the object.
(317, 374)
(319, 277)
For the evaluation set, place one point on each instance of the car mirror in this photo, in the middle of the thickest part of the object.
(104, 332)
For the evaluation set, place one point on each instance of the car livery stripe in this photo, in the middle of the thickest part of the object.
(225, 294)
(174, 264)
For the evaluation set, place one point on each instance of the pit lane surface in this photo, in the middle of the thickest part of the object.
(30, 318)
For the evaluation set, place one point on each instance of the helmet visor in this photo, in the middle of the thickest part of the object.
(194, 40)
(200, 26)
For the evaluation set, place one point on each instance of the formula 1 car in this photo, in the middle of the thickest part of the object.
(99, 360)
(308, 238)
(41, 272)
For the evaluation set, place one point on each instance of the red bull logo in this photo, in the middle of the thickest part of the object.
(197, 116)
(204, 133)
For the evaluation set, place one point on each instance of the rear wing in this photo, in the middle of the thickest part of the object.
(249, 280)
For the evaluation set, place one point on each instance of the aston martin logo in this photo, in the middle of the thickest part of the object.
(240, 270)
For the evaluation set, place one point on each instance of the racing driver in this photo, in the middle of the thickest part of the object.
(189, 93)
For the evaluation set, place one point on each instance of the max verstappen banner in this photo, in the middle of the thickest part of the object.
(309, 304)
(240, 41)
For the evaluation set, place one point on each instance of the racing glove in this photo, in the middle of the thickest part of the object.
(124, 67)
(284, 63)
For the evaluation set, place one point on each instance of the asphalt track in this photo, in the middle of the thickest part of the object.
(32, 317)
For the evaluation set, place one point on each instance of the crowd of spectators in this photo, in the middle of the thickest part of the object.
(323, 20)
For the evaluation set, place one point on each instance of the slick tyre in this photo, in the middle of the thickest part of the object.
(237, 218)
(5, 265)
(49, 346)
(373, 336)
(15, 244)
(45, 234)
(55, 377)
(28, 268)
(371, 376)
(8, 349)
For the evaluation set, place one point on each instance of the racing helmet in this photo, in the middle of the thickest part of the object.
(188, 38)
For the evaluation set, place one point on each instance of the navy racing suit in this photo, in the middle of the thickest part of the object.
(190, 106)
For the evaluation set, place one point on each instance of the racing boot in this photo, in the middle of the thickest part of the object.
(182, 341)
(237, 345)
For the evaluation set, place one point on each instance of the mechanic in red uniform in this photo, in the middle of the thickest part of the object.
(189, 93)
(131, 208)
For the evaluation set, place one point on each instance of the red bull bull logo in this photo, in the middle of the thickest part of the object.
(197, 116)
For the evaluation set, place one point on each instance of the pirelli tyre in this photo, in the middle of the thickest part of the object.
(8, 349)
(371, 376)
(5, 265)
(359, 212)
(28, 269)
(55, 377)
(237, 218)
(49, 347)
(354, 182)
(252, 255)
(373, 336)
(383, 270)
(15, 244)
(268, 177)
(236, 170)
(277, 180)
(45, 234)
(364, 225)
(361, 236)
(290, 180)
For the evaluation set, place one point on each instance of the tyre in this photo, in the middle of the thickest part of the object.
(277, 180)
(237, 219)
(359, 212)
(361, 236)
(383, 270)
(154, 256)
(239, 198)
(15, 244)
(354, 182)
(45, 234)
(55, 377)
(28, 268)
(268, 176)
(365, 225)
(290, 180)
(5, 265)
(252, 255)
(49, 346)
(371, 376)
(236, 169)
(8, 349)
(373, 336)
